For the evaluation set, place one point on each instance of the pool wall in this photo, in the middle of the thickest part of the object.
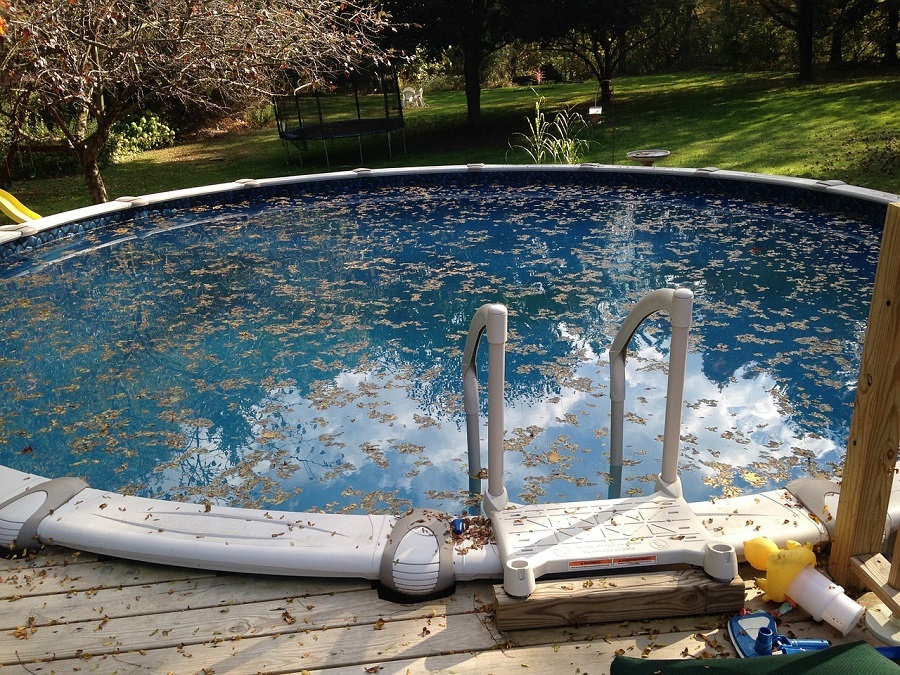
(411, 555)
(816, 195)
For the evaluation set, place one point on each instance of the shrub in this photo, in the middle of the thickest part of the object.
(139, 133)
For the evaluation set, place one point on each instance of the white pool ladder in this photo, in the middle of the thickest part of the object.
(605, 535)
(679, 304)
(493, 319)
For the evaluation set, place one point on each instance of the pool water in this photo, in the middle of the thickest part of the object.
(305, 353)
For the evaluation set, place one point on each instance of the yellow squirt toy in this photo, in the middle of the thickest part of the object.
(781, 565)
(791, 572)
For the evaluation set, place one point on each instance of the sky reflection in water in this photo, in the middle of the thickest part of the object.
(305, 355)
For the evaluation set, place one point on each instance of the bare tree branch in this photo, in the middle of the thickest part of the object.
(109, 57)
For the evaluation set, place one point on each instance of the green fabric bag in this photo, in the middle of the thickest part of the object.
(848, 659)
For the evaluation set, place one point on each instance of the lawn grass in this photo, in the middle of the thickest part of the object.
(846, 126)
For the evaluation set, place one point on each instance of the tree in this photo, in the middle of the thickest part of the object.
(85, 65)
(602, 33)
(844, 16)
(799, 17)
(477, 27)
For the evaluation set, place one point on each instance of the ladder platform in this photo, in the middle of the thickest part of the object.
(608, 535)
(658, 594)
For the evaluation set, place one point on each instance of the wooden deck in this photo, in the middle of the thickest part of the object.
(65, 612)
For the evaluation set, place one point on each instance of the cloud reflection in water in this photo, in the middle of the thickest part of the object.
(305, 354)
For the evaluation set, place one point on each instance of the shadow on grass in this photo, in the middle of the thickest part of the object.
(760, 122)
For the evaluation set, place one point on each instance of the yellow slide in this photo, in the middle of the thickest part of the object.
(15, 209)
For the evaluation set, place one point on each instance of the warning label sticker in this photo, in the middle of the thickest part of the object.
(599, 563)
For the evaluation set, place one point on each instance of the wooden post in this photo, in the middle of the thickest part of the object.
(875, 427)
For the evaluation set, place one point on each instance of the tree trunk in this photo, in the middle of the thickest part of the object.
(473, 46)
(836, 57)
(805, 39)
(88, 153)
(686, 47)
(81, 122)
(892, 33)
(472, 70)
(94, 181)
(605, 90)
(604, 69)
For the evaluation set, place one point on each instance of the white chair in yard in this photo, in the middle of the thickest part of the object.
(412, 98)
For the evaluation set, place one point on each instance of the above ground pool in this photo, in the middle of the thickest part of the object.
(296, 343)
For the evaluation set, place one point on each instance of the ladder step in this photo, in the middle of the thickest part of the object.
(604, 536)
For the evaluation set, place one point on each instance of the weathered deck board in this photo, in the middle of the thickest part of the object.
(588, 658)
(151, 598)
(90, 578)
(61, 613)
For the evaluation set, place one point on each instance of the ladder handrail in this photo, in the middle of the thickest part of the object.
(679, 305)
(493, 318)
